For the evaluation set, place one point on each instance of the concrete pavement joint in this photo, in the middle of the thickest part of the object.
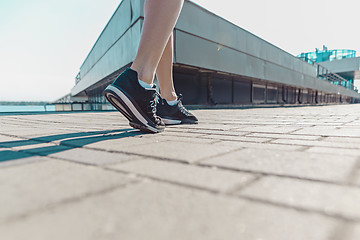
(241, 186)
(279, 175)
(301, 209)
(354, 175)
(209, 190)
(252, 199)
(68, 201)
(217, 155)
(304, 148)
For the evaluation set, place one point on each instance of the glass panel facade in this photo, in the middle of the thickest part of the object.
(327, 55)
(315, 58)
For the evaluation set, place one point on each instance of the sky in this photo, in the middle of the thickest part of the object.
(44, 42)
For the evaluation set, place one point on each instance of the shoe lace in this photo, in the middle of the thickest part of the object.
(182, 109)
(152, 102)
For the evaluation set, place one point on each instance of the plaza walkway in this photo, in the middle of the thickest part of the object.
(253, 174)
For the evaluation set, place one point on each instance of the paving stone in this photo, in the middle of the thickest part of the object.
(9, 158)
(283, 136)
(327, 198)
(32, 132)
(165, 138)
(181, 133)
(335, 151)
(31, 187)
(354, 232)
(236, 138)
(342, 139)
(46, 149)
(330, 131)
(94, 157)
(270, 129)
(210, 178)
(294, 164)
(23, 144)
(109, 142)
(204, 125)
(4, 139)
(270, 146)
(207, 131)
(161, 211)
(261, 121)
(182, 151)
(340, 145)
(77, 138)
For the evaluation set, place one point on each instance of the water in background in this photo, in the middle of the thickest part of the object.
(40, 108)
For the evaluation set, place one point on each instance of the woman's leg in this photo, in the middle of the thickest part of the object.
(171, 109)
(131, 97)
(164, 72)
(160, 19)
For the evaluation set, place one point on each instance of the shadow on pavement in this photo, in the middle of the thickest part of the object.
(67, 141)
(50, 112)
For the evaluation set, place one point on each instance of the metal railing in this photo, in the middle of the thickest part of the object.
(325, 74)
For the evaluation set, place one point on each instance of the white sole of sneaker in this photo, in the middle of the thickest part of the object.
(134, 112)
(171, 121)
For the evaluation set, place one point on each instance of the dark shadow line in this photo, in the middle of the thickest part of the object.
(51, 112)
(79, 139)
(50, 138)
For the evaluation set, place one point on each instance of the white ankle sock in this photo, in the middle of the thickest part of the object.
(172, 103)
(144, 84)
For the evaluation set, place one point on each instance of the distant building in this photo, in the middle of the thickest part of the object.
(340, 61)
(216, 63)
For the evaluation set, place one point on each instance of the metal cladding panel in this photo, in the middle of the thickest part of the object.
(125, 15)
(279, 74)
(299, 66)
(252, 45)
(325, 86)
(198, 52)
(200, 22)
(277, 56)
(308, 69)
(343, 65)
(120, 54)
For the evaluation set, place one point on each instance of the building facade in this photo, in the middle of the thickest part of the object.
(216, 63)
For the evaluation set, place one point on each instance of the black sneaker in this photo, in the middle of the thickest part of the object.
(137, 104)
(176, 114)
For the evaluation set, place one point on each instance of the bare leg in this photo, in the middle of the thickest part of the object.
(160, 19)
(164, 72)
(175, 112)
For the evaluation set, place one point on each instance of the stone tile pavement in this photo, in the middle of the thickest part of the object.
(261, 173)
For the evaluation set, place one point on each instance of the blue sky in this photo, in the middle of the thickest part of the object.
(44, 42)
